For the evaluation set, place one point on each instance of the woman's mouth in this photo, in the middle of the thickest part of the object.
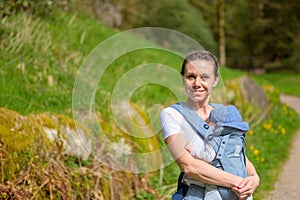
(198, 91)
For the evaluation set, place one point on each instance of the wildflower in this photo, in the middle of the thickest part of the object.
(283, 131)
(269, 88)
(251, 147)
(279, 126)
(250, 132)
(285, 109)
(262, 160)
(292, 113)
(256, 152)
(268, 125)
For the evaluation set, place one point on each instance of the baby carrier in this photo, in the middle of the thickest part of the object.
(227, 140)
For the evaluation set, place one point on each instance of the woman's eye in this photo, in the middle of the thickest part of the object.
(191, 77)
(205, 77)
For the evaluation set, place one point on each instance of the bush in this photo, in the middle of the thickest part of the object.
(185, 19)
(41, 7)
(178, 15)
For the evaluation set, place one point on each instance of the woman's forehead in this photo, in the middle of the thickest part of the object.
(200, 66)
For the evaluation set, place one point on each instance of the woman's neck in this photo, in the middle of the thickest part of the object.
(201, 108)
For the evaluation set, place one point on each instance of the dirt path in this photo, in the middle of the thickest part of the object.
(288, 184)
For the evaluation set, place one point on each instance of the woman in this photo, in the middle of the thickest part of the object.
(200, 75)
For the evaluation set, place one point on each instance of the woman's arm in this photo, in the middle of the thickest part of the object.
(251, 171)
(196, 168)
(249, 184)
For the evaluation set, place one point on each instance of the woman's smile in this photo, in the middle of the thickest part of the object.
(198, 91)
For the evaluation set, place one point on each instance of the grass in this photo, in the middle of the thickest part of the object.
(270, 141)
(285, 82)
(44, 66)
(38, 70)
(268, 145)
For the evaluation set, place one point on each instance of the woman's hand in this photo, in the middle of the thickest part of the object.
(246, 187)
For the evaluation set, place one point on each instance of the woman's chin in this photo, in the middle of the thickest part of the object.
(197, 99)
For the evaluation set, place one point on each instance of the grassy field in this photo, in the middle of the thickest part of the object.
(287, 83)
(40, 58)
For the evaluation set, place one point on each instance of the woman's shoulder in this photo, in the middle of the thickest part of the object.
(170, 112)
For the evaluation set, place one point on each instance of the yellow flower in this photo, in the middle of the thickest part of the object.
(268, 125)
(251, 147)
(256, 152)
(262, 160)
(250, 132)
(285, 109)
(269, 88)
(279, 126)
(283, 131)
(292, 113)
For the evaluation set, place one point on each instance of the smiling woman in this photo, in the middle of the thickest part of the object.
(201, 178)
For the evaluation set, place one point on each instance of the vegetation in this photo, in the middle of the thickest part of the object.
(285, 82)
(40, 56)
(278, 130)
(265, 31)
(271, 44)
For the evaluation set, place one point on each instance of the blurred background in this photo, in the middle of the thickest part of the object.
(245, 34)
(43, 44)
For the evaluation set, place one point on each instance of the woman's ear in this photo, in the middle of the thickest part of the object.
(216, 82)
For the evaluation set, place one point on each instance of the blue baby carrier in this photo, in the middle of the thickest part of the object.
(227, 139)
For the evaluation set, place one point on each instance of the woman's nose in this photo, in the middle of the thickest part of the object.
(198, 81)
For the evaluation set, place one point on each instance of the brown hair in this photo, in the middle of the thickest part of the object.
(200, 55)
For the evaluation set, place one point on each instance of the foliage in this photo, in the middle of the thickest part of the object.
(285, 82)
(276, 131)
(236, 96)
(183, 18)
(273, 41)
(43, 75)
(18, 137)
(41, 83)
(168, 14)
(34, 167)
(41, 7)
(267, 30)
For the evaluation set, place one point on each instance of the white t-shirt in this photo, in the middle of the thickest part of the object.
(172, 122)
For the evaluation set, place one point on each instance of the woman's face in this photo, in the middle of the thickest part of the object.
(199, 79)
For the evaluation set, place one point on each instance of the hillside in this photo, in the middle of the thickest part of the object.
(41, 58)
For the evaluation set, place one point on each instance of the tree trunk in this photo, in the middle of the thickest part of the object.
(221, 27)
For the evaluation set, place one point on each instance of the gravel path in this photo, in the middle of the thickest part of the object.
(288, 185)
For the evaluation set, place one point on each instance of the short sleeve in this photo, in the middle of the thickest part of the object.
(170, 121)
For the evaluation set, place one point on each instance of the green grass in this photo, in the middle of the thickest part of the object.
(229, 74)
(38, 74)
(268, 145)
(287, 83)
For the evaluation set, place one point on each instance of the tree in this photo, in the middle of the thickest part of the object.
(178, 15)
(183, 18)
(264, 29)
(221, 26)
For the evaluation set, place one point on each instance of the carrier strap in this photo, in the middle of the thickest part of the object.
(202, 128)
